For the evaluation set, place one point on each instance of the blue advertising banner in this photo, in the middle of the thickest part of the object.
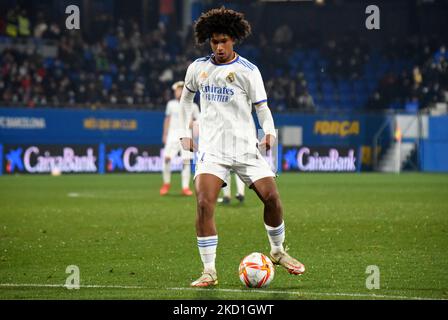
(63, 126)
(340, 130)
(70, 126)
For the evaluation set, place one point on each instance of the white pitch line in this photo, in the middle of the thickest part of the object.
(44, 285)
(73, 194)
(298, 293)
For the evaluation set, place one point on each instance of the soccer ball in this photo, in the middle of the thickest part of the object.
(56, 172)
(256, 270)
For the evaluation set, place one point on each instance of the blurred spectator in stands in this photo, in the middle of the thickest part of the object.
(53, 32)
(12, 23)
(306, 102)
(120, 65)
(23, 23)
(417, 75)
(441, 54)
(283, 36)
(375, 102)
(41, 26)
(2, 25)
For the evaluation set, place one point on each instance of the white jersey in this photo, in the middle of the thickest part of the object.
(173, 110)
(227, 92)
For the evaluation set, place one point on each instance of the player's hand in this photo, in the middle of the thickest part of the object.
(266, 143)
(188, 144)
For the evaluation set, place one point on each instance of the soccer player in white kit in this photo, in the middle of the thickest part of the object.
(170, 139)
(230, 86)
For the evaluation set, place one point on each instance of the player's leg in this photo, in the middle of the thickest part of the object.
(207, 188)
(186, 172)
(267, 191)
(240, 186)
(226, 191)
(169, 152)
(166, 175)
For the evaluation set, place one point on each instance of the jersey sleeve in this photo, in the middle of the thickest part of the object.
(168, 110)
(256, 90)
(191, 79)
(195, 113)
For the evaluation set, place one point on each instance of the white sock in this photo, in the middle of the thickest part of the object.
(166, 172)
(207, 249)
(226, 191)
(276, 237)
(227, 188)
(239, 185)
(186, 172)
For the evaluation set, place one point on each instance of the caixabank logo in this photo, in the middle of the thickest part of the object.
(319, 159)
(13, 160)
(47, 158)
(138, 158)
(115, 160)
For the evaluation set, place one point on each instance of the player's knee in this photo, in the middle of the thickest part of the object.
(205, 205)
(272, 199)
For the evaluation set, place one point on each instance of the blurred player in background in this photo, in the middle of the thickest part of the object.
(227, 190)
(230, 87)
(170, 138)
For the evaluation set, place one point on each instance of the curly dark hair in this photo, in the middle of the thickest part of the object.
(222, 20)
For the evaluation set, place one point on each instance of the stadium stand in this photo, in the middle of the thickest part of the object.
(120, 66)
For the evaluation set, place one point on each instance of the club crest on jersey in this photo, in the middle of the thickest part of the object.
(203, 75)
(230, 77)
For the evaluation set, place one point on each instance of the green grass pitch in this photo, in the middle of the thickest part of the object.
(130, 243)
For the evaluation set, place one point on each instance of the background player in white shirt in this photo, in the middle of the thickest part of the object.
(230, 86)
(227, 190)
(170, 138)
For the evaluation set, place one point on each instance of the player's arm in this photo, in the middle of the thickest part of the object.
(166, 122)
(194, 116)
(266, 121)
(186, 106)
(194, 124)
(166, 127)
(186, 109)
(257, 94)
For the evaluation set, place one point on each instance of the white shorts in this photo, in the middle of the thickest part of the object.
(251, 169)
(173, 148)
